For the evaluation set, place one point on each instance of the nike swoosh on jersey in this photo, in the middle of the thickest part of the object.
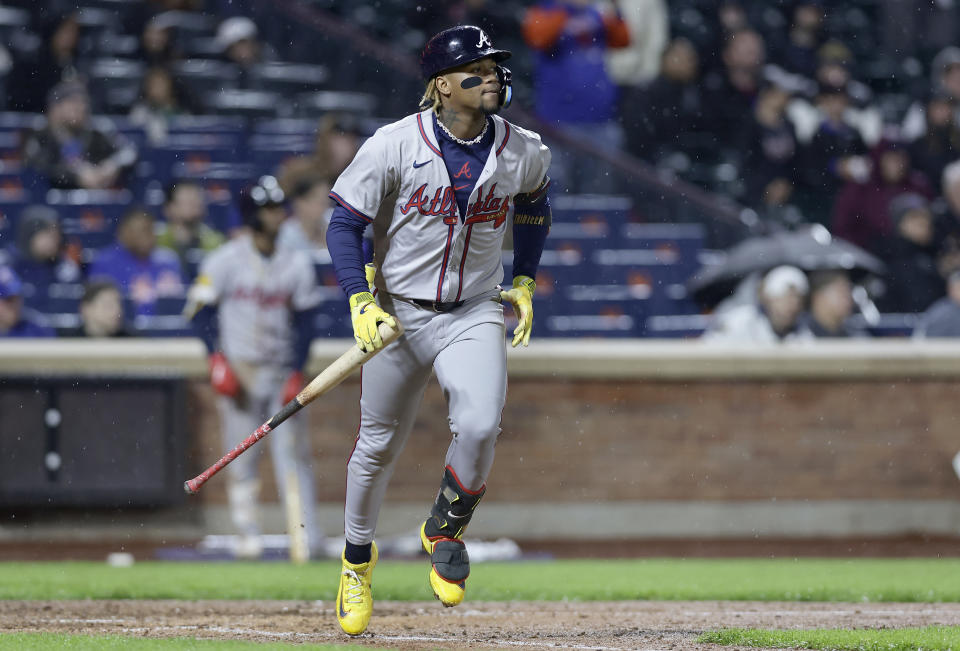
(418, 165)
(461, 187)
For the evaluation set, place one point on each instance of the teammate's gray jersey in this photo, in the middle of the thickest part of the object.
(423, 248)
(255, 296)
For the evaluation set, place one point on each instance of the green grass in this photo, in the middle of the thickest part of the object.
(930, 638)
(66, 642)
(903, 580)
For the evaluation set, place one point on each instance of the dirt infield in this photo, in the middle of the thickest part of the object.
(612, 626)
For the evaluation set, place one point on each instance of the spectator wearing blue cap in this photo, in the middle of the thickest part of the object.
(15, 321)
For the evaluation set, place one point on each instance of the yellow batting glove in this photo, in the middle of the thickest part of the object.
(366, 314)
(370, 271)
(521, 297)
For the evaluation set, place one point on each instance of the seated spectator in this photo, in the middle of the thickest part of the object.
(945, 80)
(833, 155)
(40, 259)
(101, 312)
(939, 145)
(160, 100)
(942, 319)
(731, 92)
(804, 37)
(338, 138)
(769, 149)
(16, 320)
(185, 231)
(772, 318)
(834, 64)
(158, 42)
(306, 228)
(56, 61)
(656, 115)
(913, 282)
(861, 211)
(831, 306)
(572, 87)
(239, 42)
(69, 151)
(143, 271)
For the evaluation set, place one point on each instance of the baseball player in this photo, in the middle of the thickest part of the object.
(440, 187)
(254, 305)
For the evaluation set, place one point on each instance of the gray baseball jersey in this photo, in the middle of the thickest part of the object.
(255, 296)
(423, 248)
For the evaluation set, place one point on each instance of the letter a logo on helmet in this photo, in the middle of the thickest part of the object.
(456, 46)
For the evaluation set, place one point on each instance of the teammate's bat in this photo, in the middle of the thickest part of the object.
(328, 378)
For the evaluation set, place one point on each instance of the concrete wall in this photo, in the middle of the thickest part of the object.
(642, 439)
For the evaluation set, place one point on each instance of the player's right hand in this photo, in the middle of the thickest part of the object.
(222, 377)
(366, 316)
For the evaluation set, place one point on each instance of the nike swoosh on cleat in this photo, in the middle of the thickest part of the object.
(343, 613)
(455, 517)
(417, 165)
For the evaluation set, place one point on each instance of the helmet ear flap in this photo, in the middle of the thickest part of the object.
(505, 77)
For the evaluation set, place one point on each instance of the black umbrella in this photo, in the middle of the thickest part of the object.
(811, 248)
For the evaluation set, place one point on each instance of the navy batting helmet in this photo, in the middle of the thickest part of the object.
(265, 192)
(456, 46)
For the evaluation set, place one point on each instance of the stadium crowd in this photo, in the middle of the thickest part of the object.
(839, 113)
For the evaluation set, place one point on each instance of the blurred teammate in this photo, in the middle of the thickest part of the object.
(253, 306)
(441, 188)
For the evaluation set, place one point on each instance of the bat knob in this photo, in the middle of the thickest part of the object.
(188, 487)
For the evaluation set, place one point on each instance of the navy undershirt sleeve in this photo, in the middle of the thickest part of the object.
(531, 223)
(207, 326)
(345, 244)
(302, 336)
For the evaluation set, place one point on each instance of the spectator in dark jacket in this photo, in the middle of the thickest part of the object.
(913, 282)
(769, 149)
(939, 145)
(861, 212)
(834, 156)
(672, 104)
(55, 62)
(730, 93)
(40, 257)
(69, 151)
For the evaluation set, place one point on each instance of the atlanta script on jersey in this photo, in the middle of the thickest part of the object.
(424, 247)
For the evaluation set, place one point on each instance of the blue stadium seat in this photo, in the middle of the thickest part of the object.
(90, 217)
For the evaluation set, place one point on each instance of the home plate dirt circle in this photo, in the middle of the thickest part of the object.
(605, 626)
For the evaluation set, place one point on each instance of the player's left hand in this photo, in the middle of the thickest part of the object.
(366, 315)
(292, 387)
(521, 297)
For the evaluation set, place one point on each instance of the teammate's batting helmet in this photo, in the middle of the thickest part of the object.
(462, 44)
(265, 192)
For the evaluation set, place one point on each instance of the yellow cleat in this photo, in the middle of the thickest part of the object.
(355, 598)
(449, 567)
